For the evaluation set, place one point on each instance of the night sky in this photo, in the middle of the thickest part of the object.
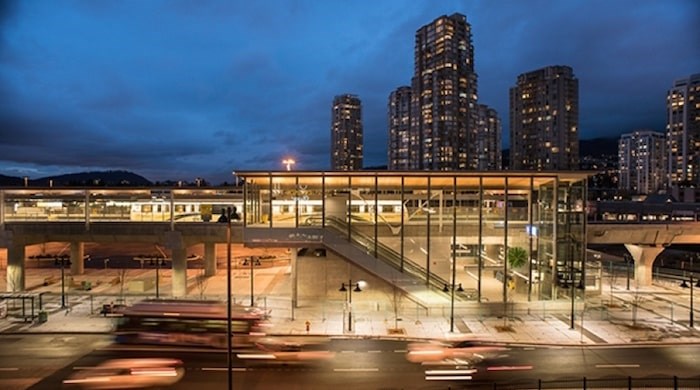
(179, 89)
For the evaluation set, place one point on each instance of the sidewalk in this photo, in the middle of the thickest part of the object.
(661, 316)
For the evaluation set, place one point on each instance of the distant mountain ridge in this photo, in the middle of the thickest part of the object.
(95, 178)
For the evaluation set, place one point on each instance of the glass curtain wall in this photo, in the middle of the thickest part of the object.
(284, 202)
(441, 209)
(310, 199)
(570, 234)
(416, 222)
(388, 227)
(467, 237)
(518, 253)
(546, 231)
(493, 239)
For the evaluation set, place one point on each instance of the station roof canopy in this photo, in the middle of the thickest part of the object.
(413, 179)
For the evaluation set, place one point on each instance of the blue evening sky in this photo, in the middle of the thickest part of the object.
(179, 89)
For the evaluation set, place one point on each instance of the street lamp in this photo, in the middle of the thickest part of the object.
(350, 289)
(452, 301)
(61, 261)
(229, 354)
(289, 162)
(252, 261)
(684, 285)
(628, 262)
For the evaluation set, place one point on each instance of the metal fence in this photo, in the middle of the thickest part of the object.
(612, 383)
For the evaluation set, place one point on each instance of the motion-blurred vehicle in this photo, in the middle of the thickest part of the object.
(128, 374)
(189, 323)
(461, 352)
(288, 350)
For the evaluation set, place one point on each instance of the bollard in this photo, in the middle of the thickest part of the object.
(308, 326)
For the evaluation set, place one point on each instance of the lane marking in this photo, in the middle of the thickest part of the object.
(223, 369)
(401, 350)
(529, 349)
(374, 351)
(356, 369)
(509, 368)
(617, 366)
(449, 378)
(449, 372)
(347, 351)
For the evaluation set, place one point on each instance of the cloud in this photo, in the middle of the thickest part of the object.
(181, 89)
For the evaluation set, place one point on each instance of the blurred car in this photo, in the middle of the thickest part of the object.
(128, 374)
(455, 352)
(293, 350)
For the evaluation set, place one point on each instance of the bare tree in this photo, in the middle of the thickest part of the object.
(396, 296)
(122, 283)
(201, 282)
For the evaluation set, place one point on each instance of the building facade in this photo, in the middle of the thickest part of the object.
(346, 133)
(399, 145)
(683, 132)
(642, 156)
(544, 120)
(444, 85)
(488, 139)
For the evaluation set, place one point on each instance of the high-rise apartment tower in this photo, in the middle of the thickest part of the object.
(683, 132)
(488, 139)
(399, 145)
(642, 156)
(544, 120)
(346, 133)
(443, 113)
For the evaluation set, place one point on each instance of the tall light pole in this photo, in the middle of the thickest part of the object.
(62, 260)
(229, 357)
(289, 162)
(254, 262)
(452, 299)
(684, 285)
(350, 289)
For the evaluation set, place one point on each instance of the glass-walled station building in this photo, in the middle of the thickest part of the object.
(494, 236)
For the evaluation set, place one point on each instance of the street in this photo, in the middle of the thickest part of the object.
(44, 361)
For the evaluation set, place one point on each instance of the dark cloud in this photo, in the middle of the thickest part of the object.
(181, 89)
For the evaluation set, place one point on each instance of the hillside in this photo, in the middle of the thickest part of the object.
(97, 178)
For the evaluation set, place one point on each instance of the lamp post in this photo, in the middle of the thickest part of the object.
(61, 261)
(289, 162)
(229, 357)
(252, 261)
(628, 262)
(350, 289)
(452, 300)
(684, 285)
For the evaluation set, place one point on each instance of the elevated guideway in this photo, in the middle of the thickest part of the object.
(644, 241)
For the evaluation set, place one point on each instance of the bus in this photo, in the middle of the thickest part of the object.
(189, 323)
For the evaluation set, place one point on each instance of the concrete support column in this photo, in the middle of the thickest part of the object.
(178, 253)
(209, 259)
(179, 279)
(15, 267)
(644, 256)
(77, 258)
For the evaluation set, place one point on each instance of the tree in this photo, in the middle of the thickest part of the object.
(517, 257)
(395, 296)
(201, 282)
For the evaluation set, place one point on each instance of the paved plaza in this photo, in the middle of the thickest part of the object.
(617, 316)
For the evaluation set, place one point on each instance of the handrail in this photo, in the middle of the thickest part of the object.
(386, 254)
